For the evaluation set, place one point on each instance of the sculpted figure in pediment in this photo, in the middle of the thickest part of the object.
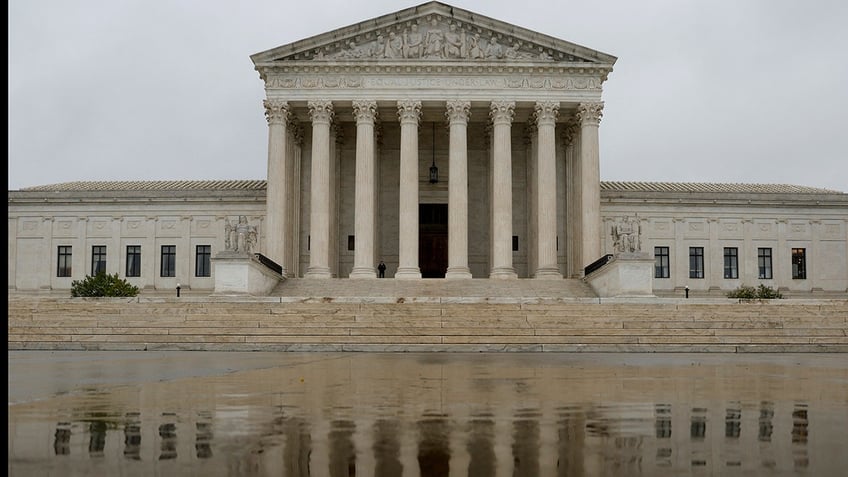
(413, 43)
(493, 49)
(394, 46)
(434, 41)
(454, 43)
(475, 49)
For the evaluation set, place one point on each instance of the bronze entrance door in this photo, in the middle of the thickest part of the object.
(433, 240)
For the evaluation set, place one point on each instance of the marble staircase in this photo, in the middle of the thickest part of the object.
(396, 322)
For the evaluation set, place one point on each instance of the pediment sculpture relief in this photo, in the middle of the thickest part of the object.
(438, 40)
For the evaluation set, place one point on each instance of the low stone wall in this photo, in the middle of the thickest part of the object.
(426, 324)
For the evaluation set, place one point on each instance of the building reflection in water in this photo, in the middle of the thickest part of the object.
(291, 430)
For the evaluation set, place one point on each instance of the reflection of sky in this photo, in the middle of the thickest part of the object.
(329, 416)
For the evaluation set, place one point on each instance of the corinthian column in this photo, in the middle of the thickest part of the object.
(502, 113)
(545, 116)
(409, 113)
(457, 114)
(589, 116)
(276, 206)
(363, 259)
(321, 113)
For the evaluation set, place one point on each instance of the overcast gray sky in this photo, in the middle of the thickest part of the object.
(752, 91)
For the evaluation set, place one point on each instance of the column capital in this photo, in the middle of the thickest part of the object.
(590, 113)
(276, 111)
(409, 111)
(365, 112)
(569, 131)
(502, 112)
(458, 111)
(545, 112)
(321, 111)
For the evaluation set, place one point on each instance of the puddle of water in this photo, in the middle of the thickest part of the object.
(385, 414)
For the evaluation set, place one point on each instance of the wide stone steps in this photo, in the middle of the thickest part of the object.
(421, 323)
(389, 287)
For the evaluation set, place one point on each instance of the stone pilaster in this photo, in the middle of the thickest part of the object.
(321, 113)
(409, 113)
(276, 204)
(545, 116)
(589, 116)
(457, 114)
(502, 113)
(365, 113)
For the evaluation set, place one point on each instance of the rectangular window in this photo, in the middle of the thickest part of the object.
(515, 243)
(202, 262)
(63, 268)
(731, 262)
(799, 263)
(133, 260)
(696, 262)
(169, 261)
(98, 259)
(764, 263)
(661, 263)
(351, 242)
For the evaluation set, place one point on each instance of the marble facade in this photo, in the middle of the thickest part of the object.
(358, 116)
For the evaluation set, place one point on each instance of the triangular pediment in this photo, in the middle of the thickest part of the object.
(433, 32)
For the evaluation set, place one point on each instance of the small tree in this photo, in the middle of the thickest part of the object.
(750, 293)
(102, 284)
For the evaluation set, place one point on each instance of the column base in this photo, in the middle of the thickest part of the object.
(318, 272)
(408, 273)
(363, 272)
(503, 273)
(548, 273)
(458, 273)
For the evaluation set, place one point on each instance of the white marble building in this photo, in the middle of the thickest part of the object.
(450, 145)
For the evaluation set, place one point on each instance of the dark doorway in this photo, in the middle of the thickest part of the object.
(433, 240)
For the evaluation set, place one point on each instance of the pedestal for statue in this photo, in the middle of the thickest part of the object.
(626, 275)
(239, 273)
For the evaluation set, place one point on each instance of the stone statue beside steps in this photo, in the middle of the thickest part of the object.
(626, 235)
(239, 237)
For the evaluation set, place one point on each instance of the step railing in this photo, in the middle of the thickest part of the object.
(597, 264)
(269, 263)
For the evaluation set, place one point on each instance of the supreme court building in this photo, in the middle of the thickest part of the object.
(449, 145)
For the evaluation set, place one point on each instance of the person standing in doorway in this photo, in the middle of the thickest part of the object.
(382, 269)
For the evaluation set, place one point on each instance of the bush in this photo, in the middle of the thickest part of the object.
(102, 284)
(750, 293)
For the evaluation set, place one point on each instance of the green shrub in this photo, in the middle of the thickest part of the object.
(102, 284)
(750, 293)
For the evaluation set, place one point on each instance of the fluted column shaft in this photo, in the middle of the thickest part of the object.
(321, 113)
(457, 114)
(365, 113)
(545, 116)
(589, 115)
(502, 113)
(409, 113)
(276, 206)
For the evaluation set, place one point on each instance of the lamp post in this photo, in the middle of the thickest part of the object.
(178, 290)
(686, 289)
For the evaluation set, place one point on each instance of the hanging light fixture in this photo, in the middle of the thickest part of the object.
(434, 171)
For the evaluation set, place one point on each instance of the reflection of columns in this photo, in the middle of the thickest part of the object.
(363, 261)
(545, 115)
(276, 210)
(589, 115)
(457, 114)
(502, 113)
(409, 113)
(572, 215)
(319, 255)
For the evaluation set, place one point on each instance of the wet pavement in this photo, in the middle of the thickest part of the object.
(432, 414)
